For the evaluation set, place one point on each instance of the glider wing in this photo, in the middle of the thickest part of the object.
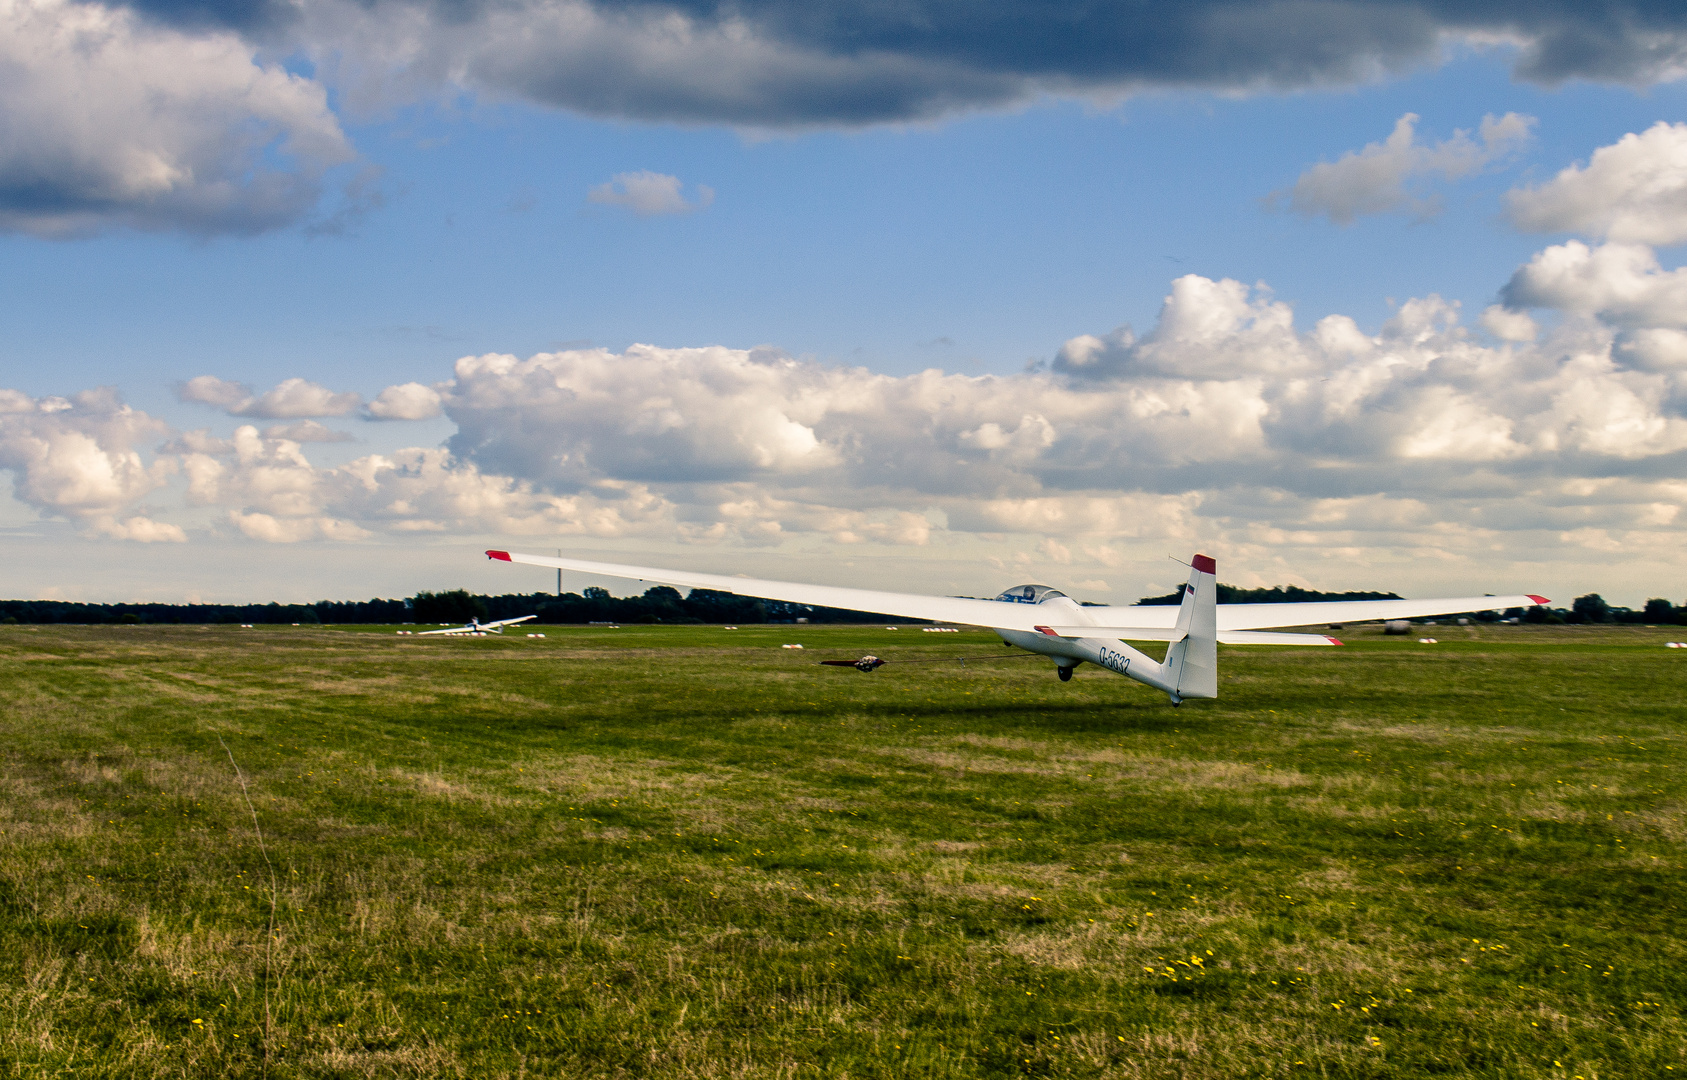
(1149, 623)
(950, 609)
(506, 622)
(1260, 616)
(470, 629)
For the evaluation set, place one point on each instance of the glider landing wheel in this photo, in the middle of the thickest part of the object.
(1065, 674)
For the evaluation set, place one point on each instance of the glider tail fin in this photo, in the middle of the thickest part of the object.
(1191, 664)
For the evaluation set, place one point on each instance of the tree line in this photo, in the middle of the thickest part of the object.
(658, 604)
(1277, 594)
(662, 604)
(1591, 608)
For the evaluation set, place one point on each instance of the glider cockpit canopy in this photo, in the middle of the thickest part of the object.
(1029, 594)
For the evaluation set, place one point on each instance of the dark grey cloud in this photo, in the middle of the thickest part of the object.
(194, 126)
(801, 62)
(246, 15)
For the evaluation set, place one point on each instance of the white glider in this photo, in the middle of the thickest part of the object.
(476, 628)
(1044, 620)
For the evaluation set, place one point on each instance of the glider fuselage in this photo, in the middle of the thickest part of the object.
(1069, 646)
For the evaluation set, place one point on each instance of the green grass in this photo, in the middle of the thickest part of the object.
(686, 852)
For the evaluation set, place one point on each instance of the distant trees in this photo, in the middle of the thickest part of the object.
(659, 604)
(360, 611)
(1588, 609)
(455, 606)
(1661, 612)
(1591, 608)
(1277, 594)
(662, 604)
(326, 611)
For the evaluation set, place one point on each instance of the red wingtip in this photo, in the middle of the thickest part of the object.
(501, 556)
(1333, 641)
(1538, 599)
(1205, 564)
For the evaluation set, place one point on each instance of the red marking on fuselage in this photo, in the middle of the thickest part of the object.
(1045, 630)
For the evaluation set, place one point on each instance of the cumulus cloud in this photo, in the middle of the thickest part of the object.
(1207, 328)
(1224, 391)
(210, 390)
(1228, 426)
(140, 529)
(79, 458)
(1509, 325)
(1224, 420)
(649, 194)
(114, 121)
(1376, 180)
(1621, 284)
(291, 530)
(274, 493)
(1115, 515)
(1655, 349)
(289, 399)
(701, 414)
(307, 431)
(297, 398)
(405, 401)
(1633, 191)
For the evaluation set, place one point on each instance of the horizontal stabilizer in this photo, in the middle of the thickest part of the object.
(1264, 637)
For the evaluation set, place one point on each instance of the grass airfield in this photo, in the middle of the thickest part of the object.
(686, 852)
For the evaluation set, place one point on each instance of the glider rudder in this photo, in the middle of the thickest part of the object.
(1191, 664)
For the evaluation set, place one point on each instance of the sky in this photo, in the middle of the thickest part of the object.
(314, 299)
